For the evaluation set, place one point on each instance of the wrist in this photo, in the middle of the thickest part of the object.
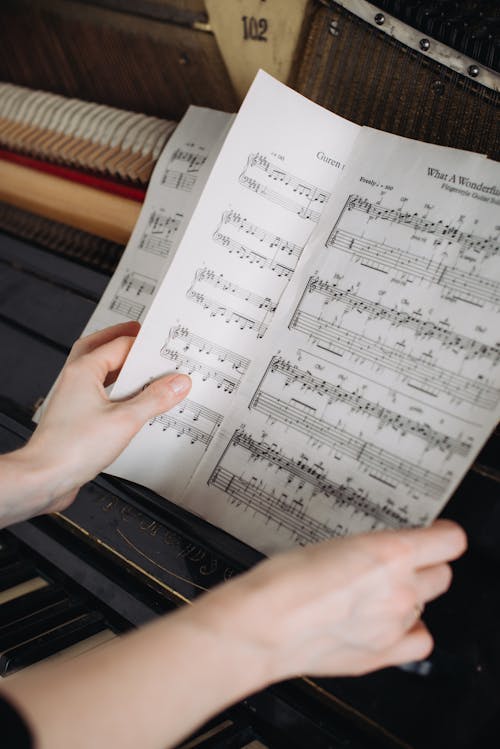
(31, 484)
(240, 665)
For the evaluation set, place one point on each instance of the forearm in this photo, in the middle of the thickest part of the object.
(27, 487)
(149, 689)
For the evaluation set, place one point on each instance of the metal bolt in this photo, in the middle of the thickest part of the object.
(333, 28)
(379, 19)
(424, 44)
(473, 71)
(438, 88)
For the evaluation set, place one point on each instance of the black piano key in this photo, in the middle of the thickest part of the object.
(51, 642)
(39, 623)
(17, 609)
(15, 573)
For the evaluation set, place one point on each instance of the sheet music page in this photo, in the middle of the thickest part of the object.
(173, 192)
(275, 174)
(381, 379)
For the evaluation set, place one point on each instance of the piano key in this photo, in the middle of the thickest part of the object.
(51, 642)
(16, 572)
(198, 740)
(31, 603)
(22, 589)
(74, 651)
(39, 623)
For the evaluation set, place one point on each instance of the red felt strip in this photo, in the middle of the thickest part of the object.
(100, 183)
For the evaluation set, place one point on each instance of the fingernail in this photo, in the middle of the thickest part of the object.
(180, 384)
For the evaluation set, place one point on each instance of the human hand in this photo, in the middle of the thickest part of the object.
(81, 430)
(342, 607)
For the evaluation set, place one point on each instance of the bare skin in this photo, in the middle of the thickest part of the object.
(345, 606)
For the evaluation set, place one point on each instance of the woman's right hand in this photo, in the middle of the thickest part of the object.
(342, 607)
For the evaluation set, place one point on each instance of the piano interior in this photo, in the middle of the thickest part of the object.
(121, 555)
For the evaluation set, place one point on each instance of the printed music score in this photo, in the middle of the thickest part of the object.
(420, 372)
(202, 345)
(284, 489)
(159, 236)
(285, 254)
(357, 403)
(243, 317)
(138, 284)
(421, 327)
(126, 307)
(272, 183)
(467, 241)
(336, 301)
(382, 465)
(461, 284)
(184, 348)
(163, 219)
(192, 420)
(183, 167)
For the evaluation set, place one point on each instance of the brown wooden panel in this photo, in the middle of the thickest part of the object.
(366, 76)
(110, 57)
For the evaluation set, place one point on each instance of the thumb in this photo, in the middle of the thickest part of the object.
(160, 396)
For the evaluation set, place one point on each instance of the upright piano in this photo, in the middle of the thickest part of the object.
(120, 554)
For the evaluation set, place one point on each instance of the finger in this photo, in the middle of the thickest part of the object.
(415, 645)
(160, 396)
(432, 582)
(109, 357)
(90, 342)
(440, 542)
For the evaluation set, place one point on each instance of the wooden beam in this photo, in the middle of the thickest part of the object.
(101, 213)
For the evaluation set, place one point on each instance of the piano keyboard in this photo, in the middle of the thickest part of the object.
(45, 616)
(41, 617)
(82, 135)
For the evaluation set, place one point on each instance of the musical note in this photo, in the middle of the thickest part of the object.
(284, 256)
(359, 404)
(127, 307)
(159, 236)
(227, 383)
(487, 245)
(288, 183)
(458, 285)
(426, 377)
(381, 464)
(423, 328)
(138, 284)
(230, 315)
(218, 281)
(239, 363)
(177, 419)
(289, 506)
(185, 178)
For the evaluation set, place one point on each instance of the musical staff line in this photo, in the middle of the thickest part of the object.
(281, 510)
(358, 403)
(297, 186)
(127, 307)
(230, 315)
(172, 420)
(138, 283)
(240, 292)
(467, 240)
(183, 179)
(459, 285)
(421, 327)
(426, 377)
(315, 476)
(239, 363)
(274, 242)
(224, 381)
(158, 237)
(381, 464)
